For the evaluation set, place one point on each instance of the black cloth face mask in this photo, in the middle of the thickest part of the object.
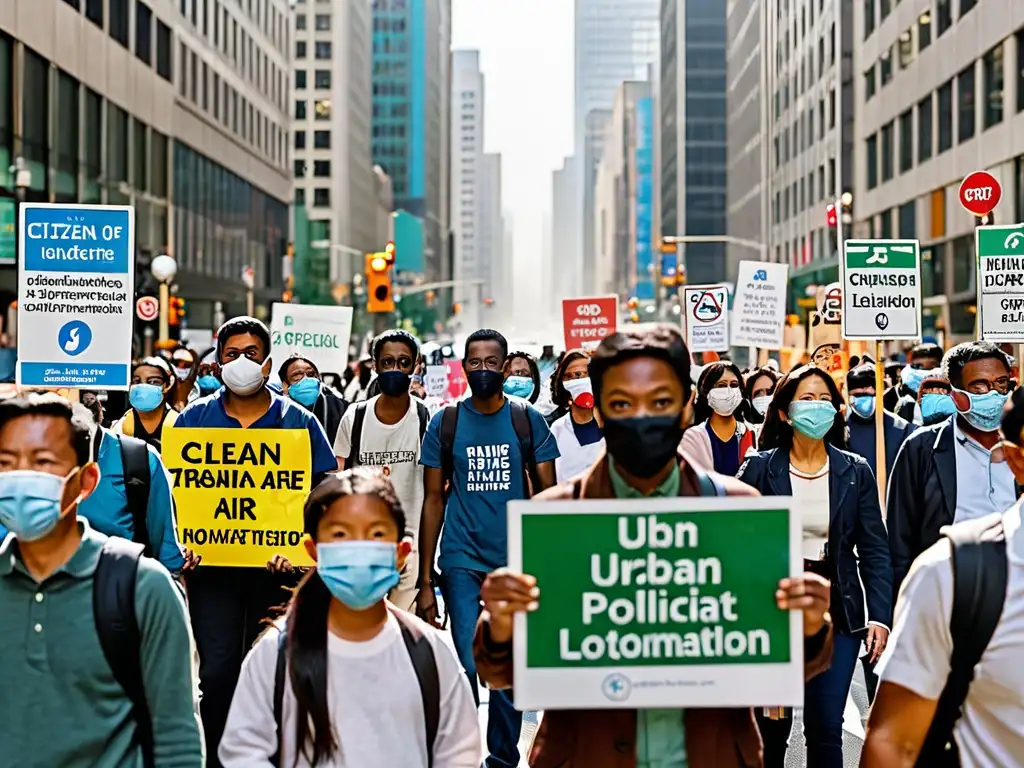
(643, 445)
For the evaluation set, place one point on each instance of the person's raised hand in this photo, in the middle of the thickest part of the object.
(505, 594)
(809, 593)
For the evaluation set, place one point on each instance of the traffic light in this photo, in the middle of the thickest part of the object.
(380, 296)
(176, 311)
(830, 216)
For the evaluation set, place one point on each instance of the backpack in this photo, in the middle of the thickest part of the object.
(524, 434)
(357, 429)
(423, 663)
(135, 468)
(980, 574)
(113, 606)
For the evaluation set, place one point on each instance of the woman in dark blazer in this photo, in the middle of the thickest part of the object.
(836, 495)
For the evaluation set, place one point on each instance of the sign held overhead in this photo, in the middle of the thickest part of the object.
(587, 321)
(706, 308)
(1000, 283)
(759, 312)
(881, 290)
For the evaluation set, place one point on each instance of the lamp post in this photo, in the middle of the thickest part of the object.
(164, 268)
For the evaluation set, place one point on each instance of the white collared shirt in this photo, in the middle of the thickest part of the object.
(983, 486)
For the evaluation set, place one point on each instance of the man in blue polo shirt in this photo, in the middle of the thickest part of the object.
(228, 605)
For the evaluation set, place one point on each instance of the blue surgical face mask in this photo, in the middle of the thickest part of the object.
(145, 397)
(986, 411)
(208, 384)
(812, 418)
(912, 377)
(305, 391)
(358, 573)
(863, 405)
(30, 502)
(936, 407)
(519, 386)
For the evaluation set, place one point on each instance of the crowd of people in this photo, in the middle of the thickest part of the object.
(125, 648)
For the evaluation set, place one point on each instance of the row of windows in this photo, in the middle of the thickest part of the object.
(803, 79)
(321, 109)
(321, 168)
(876, 11)
(800, 195)
(321, 79)
(321, 139)
(910, 43)
(937, 110)
(148, 37)
(321, 197)
(201, 84)
(800, 136)
(322, 22)
(796, 30)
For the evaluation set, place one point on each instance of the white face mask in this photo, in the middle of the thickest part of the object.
(182, 373)
(242, 376)
(761, 403)
(581, 391)
(725, 400)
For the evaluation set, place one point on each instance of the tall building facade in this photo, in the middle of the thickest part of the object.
(563, 268)
(492, 232)
(467, 157)
(693, 132)
(615, 42)
(333, 165)
(623, 213)
(411, 84)
(811, 135)
(939, 94)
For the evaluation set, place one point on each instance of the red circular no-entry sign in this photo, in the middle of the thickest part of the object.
(980, 193)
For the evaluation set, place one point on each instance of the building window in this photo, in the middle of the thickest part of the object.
(144, 33)
(322, 197)
(1020, 71)
(66, 150)
(906, 141)
(966, 5)
(300, 79)
(965, 104)
(300, 197)
(300, 139)
(322, 50)
(323, 22)
(322, 168)
(924, 30)
(887, 151)
(94, 12)
(92, 147)
(322, 139)
(993, 65)
(300, 49)
(884, 7)
(117, 147)
(870, 83)
(322, 78)
(832, 108)
(869, 18)
(300, 22)
(885, 66)
(299, 168)
(885, 224)
(945, 117)
(164, 67)
(118, 28)
(300, 109)
(322, 109)
(871, 150)
(35, 120)
(906, 45)
(944, 10)
(924, 129)
(964, 264)
(140, 156)
(907, 226)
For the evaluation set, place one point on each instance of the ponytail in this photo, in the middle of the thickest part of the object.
(307, 669)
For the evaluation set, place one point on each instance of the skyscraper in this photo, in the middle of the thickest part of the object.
(467, 158)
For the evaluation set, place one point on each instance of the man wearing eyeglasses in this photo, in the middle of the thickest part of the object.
(955, 470)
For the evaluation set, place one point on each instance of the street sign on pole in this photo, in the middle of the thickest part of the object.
(980, 193)
(1000, 281)
(76, 295)
(881, 290)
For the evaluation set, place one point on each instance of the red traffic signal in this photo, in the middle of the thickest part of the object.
(830, 215)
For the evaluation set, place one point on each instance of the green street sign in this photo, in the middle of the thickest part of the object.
(1000, 257)
(656, 603)
(881, 290)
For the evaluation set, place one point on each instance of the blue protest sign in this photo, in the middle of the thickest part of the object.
(75, 294)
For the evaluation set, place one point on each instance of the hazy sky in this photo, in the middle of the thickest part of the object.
(526, 53)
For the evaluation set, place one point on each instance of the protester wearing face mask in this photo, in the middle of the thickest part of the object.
(384, 433)
(186, 371)
(62, 706)
(458, 447)
(228, 605)
(860, 420)
(150, 412)
(901, 399)
(757, 393)
(642, 389)
(301, 381)
(718, 440)
(208, 373)
(522, 377)
(844, 540)
(348, 653)
(935, 400)
(953, 470)
(578, 433)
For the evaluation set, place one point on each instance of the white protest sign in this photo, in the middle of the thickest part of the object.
(881, 289)
(76, 295)
(435, 380)
(1000, 283)
(706, 309)
(319, 333)
(759, 312)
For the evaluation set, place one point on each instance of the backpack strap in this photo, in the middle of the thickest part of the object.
(280, 679)
(425, 665)
(980, 573)
(113, 606)
(449, 426)
(424, 416)
(357, 435)
(135, 466)
(708, 485)
(524, 433)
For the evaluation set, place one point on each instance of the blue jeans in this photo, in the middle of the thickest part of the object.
(461, 591)
(825, 701)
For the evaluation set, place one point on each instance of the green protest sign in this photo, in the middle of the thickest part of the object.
(657, 603)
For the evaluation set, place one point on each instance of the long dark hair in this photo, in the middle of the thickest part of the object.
(777, 433)
(534, 371)
(315, 737)
(559, 394)
(711, 374)
(750, 412)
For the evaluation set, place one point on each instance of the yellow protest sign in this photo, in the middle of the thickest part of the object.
(239, 493)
